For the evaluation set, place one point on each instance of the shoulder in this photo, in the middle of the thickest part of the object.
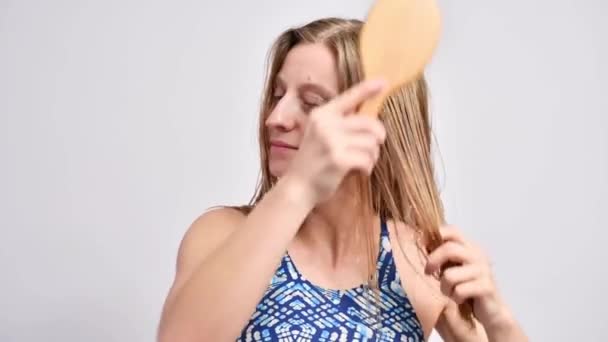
(423, 290)
(409, 252)
(401, 230)
(218, 217)
(407, 233)
(203, 236)
(206, 232)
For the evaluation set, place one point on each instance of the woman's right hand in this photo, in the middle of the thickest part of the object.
(336, 142)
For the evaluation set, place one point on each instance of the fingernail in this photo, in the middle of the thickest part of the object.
(379, 83)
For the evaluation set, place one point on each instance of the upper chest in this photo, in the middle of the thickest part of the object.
(406, 290)
(293, 306)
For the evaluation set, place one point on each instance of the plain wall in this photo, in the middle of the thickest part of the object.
(122, 121)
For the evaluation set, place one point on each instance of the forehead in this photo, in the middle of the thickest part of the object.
(310, 63)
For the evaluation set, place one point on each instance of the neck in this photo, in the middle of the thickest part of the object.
(331, 228)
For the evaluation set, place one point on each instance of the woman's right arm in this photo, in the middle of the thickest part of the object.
(226, 260)
(216, 290)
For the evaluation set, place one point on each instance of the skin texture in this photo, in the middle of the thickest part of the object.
(315, 142)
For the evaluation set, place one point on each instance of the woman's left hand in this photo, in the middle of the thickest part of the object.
(470, 279)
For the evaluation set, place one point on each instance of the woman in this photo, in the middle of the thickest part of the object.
(303, 262)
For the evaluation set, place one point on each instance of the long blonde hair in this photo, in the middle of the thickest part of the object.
(402, 186)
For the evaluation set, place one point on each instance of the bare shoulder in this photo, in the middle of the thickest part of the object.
(404, 231)
(409, 251)
(205, 233)
(423, 291)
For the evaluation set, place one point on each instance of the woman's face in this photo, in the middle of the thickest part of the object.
(307, 79)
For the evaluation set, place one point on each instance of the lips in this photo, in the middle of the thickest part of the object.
(281, 144)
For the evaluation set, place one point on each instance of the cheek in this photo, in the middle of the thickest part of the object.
(301, 127)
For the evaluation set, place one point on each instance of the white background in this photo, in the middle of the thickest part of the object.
(122, 121)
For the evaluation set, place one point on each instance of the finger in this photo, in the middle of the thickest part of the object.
(449, 251)
(452, 233)
(364, 124)
(360, 159)
(456, 275)
(367, 144)
(468, 290)
(354, 96)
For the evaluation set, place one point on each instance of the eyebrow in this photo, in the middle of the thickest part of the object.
(309, 86)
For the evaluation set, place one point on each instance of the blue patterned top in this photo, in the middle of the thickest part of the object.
(295, 310)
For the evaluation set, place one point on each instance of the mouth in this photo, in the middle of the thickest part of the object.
(281, 144)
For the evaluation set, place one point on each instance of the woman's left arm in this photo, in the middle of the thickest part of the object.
(471, 279)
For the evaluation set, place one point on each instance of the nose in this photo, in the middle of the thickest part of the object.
(283, 116)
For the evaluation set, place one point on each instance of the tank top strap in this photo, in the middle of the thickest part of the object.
(385, 264)
(383, 228)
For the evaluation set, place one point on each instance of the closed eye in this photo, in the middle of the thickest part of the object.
(308, 106)
(311, 100)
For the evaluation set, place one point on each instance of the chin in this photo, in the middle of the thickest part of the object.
(277, 169)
